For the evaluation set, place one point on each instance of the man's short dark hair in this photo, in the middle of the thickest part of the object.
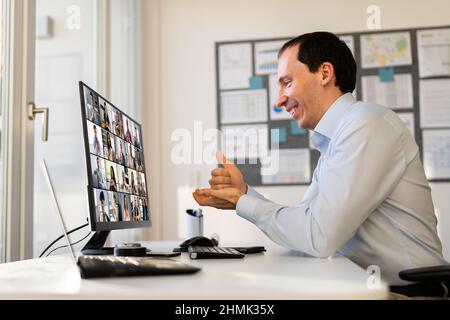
(319, 47)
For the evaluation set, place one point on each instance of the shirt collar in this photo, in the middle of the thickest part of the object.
(319, 142)
(330, 120)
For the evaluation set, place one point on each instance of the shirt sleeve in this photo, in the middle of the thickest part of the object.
(364, 164)
(252, 192)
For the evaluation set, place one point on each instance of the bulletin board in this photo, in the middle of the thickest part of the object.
(406, 70)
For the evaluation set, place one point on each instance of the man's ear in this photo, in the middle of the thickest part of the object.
(327, 73)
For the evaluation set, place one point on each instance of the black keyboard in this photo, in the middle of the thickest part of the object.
(200, 252)
(112, 266)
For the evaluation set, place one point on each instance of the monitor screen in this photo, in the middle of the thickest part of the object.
(117, 190)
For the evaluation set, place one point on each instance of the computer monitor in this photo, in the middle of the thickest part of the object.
(117, 188)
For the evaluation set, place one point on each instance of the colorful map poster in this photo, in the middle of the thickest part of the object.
(386, 50)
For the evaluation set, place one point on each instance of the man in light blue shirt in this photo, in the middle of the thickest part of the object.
(369, 198)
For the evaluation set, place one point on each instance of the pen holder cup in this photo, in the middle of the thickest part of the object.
(193, 223)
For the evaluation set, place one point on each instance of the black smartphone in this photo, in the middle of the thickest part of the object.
(247, 250)
(162, 254)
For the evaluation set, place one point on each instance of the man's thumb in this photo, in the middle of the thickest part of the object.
(222, 159)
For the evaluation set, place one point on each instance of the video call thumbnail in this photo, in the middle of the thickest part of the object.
(114, 206)
(117, 164)
(110, 119)
(113, 148)
(109, 146)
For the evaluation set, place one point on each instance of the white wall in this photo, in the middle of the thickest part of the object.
(180, 43)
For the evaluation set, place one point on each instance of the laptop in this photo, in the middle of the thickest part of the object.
(113, 266)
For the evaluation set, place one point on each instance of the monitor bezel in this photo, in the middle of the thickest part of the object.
(116, 225)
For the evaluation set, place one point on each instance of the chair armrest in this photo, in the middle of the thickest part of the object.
(435, 273)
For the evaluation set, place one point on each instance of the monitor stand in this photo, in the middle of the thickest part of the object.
(95, 245)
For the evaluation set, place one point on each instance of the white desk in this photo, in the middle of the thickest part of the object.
(276, 274)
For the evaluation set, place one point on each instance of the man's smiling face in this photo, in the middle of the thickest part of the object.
(299, 89)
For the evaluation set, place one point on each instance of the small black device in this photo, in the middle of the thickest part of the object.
(249, 250)
(130, 250)
(111, 266)
(136, 250)
(196, 241)
(199, 252)
(161, 254)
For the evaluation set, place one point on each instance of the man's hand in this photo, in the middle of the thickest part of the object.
(204, 198)
(227, 186)
(227, 177)
(221, 199)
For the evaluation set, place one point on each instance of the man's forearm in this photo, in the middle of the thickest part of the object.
(290, 227)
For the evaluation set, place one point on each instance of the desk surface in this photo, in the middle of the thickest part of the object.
(276, 274)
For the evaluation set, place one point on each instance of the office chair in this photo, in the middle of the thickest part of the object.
(429, 281)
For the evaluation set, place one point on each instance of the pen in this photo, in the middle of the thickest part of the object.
(197, 213)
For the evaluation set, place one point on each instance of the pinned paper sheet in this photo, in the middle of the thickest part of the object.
(279, 134)
(386, 74)
(256, 82)
(235, 65)
(266, 56)
(397, 94)
(436, 153)
(433, 47)
(287, 166)
(434, 103)
(245, 141)
(243, 106)
(296, 130)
